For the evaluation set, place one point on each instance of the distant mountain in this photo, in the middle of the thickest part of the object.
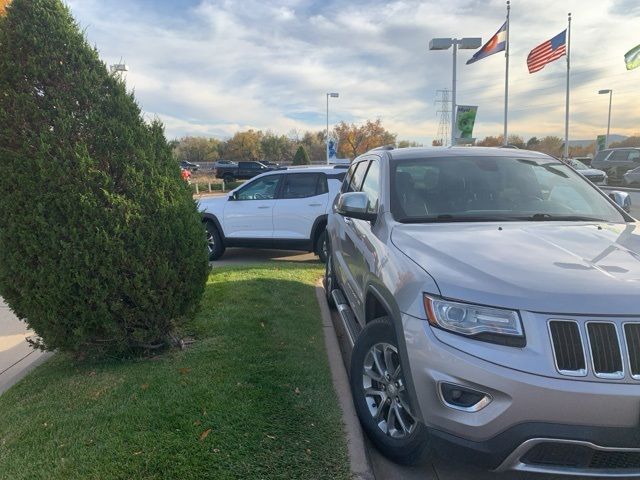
(585, 143)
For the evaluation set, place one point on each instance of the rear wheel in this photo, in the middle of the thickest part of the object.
(214, 241)
(321, 247)
(380, 396)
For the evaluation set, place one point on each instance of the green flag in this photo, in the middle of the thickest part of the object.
(632, 58)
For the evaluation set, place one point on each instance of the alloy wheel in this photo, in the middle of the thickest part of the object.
(385, 392)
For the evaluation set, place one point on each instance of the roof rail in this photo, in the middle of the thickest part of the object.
(385, 147)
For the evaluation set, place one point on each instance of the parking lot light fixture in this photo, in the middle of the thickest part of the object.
(610, 92)
(467, 43)
(332, 95)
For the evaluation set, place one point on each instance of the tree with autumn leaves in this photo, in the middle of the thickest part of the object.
(354, 140)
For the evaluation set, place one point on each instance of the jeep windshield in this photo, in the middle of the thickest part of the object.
(486, 189)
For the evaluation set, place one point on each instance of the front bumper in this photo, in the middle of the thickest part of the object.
(523, 406)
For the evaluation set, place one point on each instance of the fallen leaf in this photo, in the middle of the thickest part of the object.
(215, 450)
(184, 371)
(262, 324)
(271, 437)
(137, 453)
(197, 423)
(91, 374)
(308, 451)
(297, 391)
(205, 434)
(144, 386)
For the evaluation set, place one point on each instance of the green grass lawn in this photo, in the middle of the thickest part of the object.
(251, 399)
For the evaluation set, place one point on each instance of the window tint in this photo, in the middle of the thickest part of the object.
(601, 156)
(494, 188)
(263, 188)
(301, 185)
(371, 186)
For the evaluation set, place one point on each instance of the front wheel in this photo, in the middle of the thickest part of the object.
(380, 396)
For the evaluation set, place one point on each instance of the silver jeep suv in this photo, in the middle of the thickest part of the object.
(493, 300)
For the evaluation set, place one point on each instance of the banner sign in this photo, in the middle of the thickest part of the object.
(333, 148)
(601, 143)
(465, 120)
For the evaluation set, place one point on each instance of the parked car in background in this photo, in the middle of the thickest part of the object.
(241, 171)
(632, 177)
(491, 296)
(585, 160)
(192, 167)
(598, 177)
(224, 163)
(281, 209)
(616, 162)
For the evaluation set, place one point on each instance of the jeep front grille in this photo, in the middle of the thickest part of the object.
(606, 355)
(605, 348)
(567, 347)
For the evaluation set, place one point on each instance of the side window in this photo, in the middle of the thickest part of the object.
(322, 186)
(634, 156)
(358, 176)
(371, 186)
(263, 188)
(300, 185)
(619, 155)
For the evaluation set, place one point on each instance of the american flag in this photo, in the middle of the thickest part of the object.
(547, 52)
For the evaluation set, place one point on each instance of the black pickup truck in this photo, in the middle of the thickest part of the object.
(242, 171)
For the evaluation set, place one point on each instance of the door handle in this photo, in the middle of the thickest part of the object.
(315, 204)
(261, 207)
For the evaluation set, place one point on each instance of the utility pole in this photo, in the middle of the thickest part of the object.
(444, 110)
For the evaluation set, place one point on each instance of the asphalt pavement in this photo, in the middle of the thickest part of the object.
(17, 357)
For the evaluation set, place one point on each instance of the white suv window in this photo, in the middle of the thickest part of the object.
(263, 188)
(303, 185)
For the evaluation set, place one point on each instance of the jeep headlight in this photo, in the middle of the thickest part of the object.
(486, 323)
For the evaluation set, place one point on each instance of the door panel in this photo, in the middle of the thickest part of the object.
(250, 215)
(303, 199)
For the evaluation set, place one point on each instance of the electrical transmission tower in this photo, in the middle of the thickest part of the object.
(444, 105)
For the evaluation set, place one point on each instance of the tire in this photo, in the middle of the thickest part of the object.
(330, 281)
(214, 241)
(321, 246)
(228, 178)
(395, 432)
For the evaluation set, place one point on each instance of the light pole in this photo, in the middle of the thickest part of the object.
(610, 92)
(470, 43)
(332, 95)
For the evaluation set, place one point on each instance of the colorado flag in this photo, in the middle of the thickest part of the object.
(497, 43)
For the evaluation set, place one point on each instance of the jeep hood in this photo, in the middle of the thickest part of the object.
(551, 267)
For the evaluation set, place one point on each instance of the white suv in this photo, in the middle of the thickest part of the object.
(282, 209)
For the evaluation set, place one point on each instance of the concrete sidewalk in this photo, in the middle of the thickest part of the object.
(17, 357)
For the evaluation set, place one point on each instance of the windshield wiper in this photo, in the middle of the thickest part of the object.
(547, 217)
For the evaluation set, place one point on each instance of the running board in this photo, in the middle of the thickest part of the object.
(349, 320)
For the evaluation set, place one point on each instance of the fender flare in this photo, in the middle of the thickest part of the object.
(210, 217)
(322, 219)
(395, 318)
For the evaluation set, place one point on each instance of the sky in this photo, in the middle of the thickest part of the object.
(212, 68)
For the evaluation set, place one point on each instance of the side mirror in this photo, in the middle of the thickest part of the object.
(622, 199)
(354, 205)
(233, 196)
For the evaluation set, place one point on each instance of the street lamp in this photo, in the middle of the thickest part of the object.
(470, 43)
(332, 95)
(610, 92)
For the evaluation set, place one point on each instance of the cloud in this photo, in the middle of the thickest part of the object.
(212, 67)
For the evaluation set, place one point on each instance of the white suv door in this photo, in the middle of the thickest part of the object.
(249, 212)
(303, 198)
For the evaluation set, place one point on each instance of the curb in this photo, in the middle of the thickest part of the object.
(361, 468)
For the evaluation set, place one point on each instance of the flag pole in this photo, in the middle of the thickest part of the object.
(506, 79)
(566, 118)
